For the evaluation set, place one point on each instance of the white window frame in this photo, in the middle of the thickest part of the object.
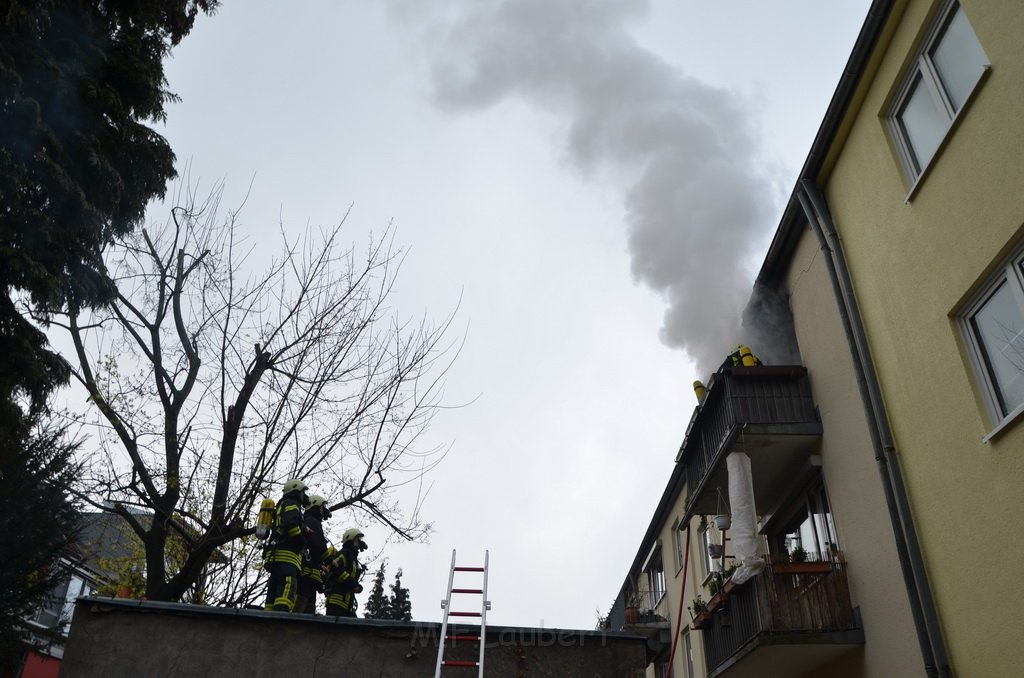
(923, 67)
(1010, 272)
(688, 654)
(51, 612)
(657, 583)
(677, 545)
(705, 552)
(654, 571)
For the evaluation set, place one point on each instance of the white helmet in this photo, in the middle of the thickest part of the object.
(292, 485)
(316, 500)
(354, 535)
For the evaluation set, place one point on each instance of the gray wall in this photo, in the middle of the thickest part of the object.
(132, 638)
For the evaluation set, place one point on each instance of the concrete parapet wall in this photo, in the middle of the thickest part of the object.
(133, 638)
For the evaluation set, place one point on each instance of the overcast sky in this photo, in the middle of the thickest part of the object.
(597, 180)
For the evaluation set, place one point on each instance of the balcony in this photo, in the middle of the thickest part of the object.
(765, 411)
(646, 612)
(790, 619)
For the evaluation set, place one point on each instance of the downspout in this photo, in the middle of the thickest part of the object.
(922, 604)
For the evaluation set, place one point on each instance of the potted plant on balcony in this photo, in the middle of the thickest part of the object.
(796, 562)
(632, 604)
(699, 613)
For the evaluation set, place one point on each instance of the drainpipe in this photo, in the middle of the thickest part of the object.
(922, 605)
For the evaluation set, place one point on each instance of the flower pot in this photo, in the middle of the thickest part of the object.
(811, 567)
(723, 521)
(632, 615)
(716, 550)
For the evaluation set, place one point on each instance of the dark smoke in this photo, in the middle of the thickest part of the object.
(768, 327)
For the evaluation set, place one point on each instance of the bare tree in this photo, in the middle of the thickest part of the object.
(214, 383)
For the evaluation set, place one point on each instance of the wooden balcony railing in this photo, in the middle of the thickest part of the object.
(792, 600)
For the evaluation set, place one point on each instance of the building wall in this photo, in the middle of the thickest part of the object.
(852, 479)
(110, 638)
(914, 264)
(694, 582)
(854, 488)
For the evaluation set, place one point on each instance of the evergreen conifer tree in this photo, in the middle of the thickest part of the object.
(377, 604)
(81, 81)
(400, 604)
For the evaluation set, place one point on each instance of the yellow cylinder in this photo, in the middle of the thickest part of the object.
(698, 388)
(747, 358)
(265, 518)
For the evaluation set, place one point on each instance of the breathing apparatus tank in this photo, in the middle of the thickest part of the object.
(265, 519)
(699, 391)
(747, 357)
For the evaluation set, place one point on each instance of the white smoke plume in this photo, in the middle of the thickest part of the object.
(698, 198)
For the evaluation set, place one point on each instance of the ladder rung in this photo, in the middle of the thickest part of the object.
(451, 634)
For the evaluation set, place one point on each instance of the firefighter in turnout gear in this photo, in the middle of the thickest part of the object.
(741, 357)
(283, 558)
(343, 573)
(311, 578)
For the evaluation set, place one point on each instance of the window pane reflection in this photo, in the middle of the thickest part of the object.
(959, 59)
(998, 327)
(922, 122)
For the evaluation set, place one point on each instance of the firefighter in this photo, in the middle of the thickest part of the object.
(741, 357)
(284, 555)
(344, 571)
(311, 579)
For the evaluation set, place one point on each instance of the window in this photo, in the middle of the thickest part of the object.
(656, 581)
(677, 545)
(56, 607)
(940, 81)
(807, 524)
(993, 326)
(688, 655)
(705, 551)
(653, 571)
(52, 607)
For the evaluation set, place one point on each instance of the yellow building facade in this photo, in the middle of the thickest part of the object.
(900, 263)
(923, 184)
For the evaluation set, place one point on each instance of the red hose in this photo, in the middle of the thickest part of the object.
(682, 597)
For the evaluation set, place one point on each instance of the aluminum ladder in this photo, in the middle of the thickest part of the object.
(446, 604)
